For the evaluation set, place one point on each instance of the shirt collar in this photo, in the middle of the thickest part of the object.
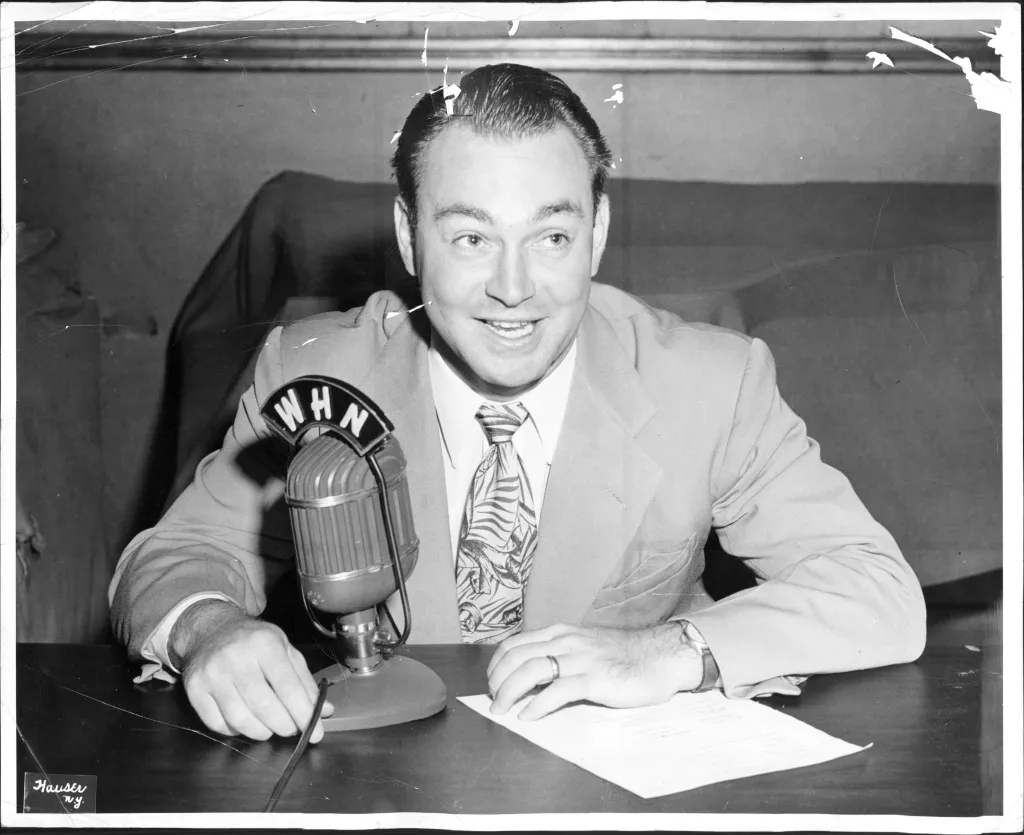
(456, 403)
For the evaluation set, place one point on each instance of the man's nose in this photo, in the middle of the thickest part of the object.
(511, 283)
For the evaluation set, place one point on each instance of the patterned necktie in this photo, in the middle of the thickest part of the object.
(498, 535)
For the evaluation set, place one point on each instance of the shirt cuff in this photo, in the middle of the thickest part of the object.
(154, 650)
(780, 685)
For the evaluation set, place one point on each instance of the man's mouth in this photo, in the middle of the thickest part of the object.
(520, 329)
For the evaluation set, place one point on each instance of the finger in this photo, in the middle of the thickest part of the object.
(520, 682)
(237, 714)
(290, 688)
(559, 647)
(311, 685)
(522, 639)
(266, 705)
(555, 695)
(205, 706)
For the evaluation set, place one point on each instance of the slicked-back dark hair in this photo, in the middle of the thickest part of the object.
(510, 101)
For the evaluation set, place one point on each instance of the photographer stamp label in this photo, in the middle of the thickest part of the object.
(59, 793)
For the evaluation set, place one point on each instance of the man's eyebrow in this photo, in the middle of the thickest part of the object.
(563, 206)
(465, 210)
(570, 207)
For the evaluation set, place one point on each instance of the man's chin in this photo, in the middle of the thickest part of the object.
(506, 386)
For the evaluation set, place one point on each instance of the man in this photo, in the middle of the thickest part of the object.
(569, 450)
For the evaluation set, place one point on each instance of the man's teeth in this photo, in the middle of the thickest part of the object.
(512, 328)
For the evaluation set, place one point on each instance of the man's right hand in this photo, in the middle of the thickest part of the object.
(241, 674)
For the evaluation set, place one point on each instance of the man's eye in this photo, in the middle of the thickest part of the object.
(470, 241)
(555, 240)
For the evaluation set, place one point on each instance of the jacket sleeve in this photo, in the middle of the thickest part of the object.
(835, 593)
(228, 533)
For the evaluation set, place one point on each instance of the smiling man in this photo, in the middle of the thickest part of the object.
(569, 451)
(508, 242)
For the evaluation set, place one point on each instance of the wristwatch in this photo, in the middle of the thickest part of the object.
(693, 637)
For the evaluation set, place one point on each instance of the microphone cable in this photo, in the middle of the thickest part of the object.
(389, 532)
(300, 746)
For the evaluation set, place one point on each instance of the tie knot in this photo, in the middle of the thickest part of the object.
(501, 422)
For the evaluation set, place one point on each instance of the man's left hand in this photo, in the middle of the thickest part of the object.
(613, 667)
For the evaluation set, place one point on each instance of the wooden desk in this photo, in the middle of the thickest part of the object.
(80, 714)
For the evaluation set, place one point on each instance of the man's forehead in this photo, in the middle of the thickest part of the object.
(461, 161)
(458, 139)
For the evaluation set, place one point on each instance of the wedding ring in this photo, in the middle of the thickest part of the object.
(555, 671)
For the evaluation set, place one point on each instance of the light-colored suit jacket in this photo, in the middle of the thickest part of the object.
(671, 428)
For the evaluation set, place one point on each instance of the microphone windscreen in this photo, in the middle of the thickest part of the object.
(341, 546)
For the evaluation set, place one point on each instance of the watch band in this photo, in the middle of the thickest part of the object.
(693, 637)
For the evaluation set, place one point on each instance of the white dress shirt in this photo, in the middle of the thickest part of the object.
(464, 445)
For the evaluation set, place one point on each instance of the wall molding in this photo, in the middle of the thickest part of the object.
(213, 52)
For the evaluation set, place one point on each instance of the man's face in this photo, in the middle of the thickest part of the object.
(505, 247)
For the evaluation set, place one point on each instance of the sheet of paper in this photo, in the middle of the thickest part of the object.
(692, 740)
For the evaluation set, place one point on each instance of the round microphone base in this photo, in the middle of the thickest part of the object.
(400, 690)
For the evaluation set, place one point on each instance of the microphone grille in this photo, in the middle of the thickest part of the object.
(333, 500)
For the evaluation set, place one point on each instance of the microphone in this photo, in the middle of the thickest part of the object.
(351, 518)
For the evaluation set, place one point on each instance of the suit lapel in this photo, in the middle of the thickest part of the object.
(399, 382)
(600, 484)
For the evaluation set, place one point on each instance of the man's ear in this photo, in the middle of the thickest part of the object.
(404, 234)
(601, 220)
